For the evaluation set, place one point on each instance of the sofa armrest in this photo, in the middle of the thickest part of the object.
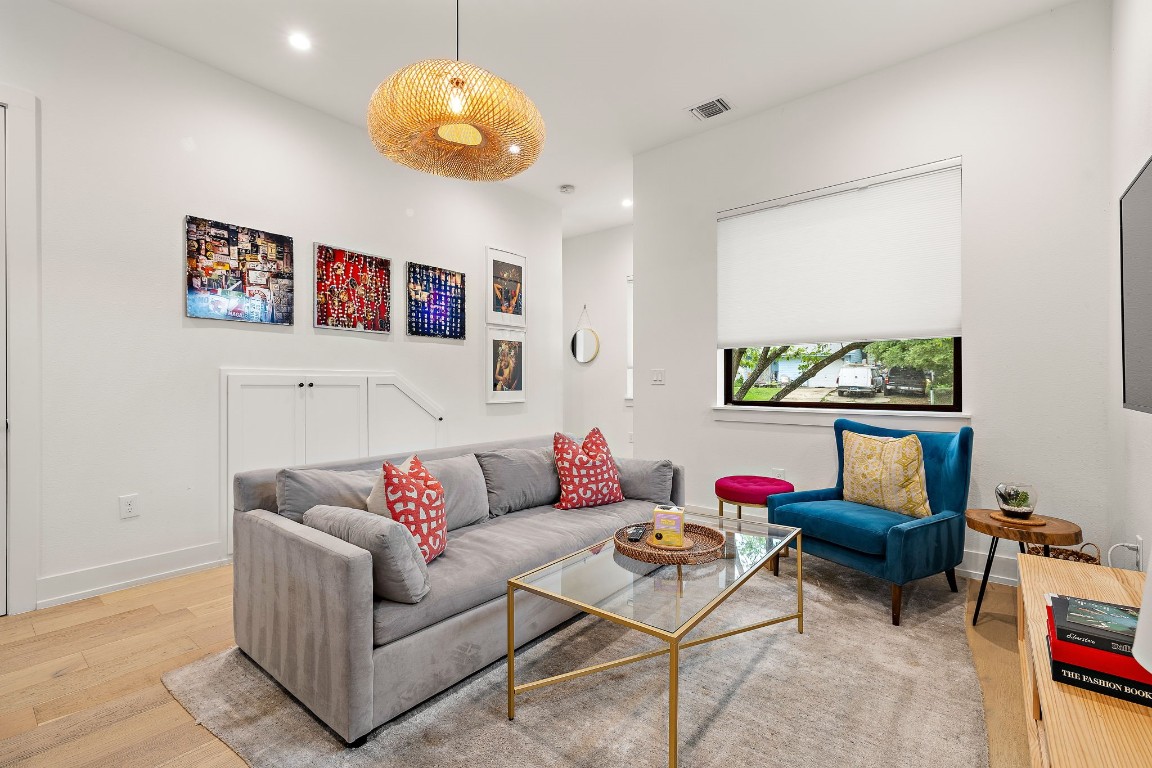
(678, 485)
(303, 611)
(925, 546)
(777, 500)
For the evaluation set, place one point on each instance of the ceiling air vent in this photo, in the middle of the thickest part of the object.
(709, 109)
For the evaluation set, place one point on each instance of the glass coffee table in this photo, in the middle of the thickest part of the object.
(666, 602)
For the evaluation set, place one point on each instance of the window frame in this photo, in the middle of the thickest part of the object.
(955, 407)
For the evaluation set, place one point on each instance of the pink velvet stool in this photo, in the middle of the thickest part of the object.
(748, 491)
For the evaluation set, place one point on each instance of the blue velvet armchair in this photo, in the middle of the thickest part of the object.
(889, 545)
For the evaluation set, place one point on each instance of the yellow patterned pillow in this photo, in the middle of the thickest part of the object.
(886, 472)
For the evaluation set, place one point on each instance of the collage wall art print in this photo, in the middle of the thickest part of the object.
(237, 273)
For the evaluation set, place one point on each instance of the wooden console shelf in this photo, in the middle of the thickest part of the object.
(1068, 726)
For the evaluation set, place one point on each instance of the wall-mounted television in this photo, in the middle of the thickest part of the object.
(1136, 290)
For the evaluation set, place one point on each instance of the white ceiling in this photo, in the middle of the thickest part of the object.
(611, 77)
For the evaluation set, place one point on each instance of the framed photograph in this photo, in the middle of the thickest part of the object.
(237, 273)
(505, 365)
(436, 302)
(505, 304)
(353, 290)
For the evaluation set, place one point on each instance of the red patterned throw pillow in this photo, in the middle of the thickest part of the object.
(415, 499)
(588, 474)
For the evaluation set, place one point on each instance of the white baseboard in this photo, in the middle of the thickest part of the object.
(77, 585)
(1003, 566)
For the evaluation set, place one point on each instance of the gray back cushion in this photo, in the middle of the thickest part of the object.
(256, 488)
(646, 480)
(465, 493)
(398, 569)
(298, 490)
(519, 478)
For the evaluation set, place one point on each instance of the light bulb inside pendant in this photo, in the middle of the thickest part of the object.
(456, 96)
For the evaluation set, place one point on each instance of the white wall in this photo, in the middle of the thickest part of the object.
(596, 270)
(133, 138)
(1131, 148)
(1027, 109)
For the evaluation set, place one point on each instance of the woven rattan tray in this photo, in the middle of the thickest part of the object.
(707, 545)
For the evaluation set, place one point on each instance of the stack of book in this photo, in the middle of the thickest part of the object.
(1090, 643)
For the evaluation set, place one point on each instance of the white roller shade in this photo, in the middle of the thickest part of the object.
(874, 262)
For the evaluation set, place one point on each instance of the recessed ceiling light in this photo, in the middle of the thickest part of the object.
(514, 149)
(626, 202)
(299, 41)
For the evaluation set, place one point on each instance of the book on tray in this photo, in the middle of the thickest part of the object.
(1095, 667)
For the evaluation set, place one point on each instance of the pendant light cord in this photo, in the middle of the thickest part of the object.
(457, 30)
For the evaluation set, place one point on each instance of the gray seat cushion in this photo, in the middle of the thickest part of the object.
(479, 560)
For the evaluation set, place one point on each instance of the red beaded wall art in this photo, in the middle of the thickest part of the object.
(353, 290)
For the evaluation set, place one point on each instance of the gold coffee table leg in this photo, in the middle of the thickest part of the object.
(673, 695)
(511, 652)
(799, 584)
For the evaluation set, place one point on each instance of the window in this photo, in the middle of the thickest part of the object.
(868, 272)
(908, 374)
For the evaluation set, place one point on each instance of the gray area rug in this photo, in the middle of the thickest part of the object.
(851, 691)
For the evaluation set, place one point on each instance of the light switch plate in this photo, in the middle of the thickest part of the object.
(657, 375)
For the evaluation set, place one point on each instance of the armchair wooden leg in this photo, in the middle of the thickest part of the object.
(897, 601)
(776, 565)
(951, 574)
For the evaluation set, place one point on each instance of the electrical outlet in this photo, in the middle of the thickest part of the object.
(657, 375)
(129, 506)
(629, 437)
(1139, 552)
(778, 473)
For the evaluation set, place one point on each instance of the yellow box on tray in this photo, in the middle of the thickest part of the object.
(668, 526)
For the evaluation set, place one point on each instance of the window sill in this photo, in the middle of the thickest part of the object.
(928, 421)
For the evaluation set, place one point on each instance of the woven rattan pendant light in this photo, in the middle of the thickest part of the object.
(452, 118)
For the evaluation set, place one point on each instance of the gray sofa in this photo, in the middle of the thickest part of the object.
(306, 612)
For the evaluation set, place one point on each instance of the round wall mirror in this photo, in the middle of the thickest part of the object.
(585, 345)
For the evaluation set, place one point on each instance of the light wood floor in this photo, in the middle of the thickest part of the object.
(80, 683)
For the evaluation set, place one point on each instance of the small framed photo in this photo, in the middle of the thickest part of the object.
(505, 303)
(505, 365)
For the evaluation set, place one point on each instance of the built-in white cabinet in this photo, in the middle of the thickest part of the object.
(282, 418)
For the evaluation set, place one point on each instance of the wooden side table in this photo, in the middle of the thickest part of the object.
(1054, 532)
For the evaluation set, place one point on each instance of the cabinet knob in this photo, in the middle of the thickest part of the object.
(311, 383)
(300, 384)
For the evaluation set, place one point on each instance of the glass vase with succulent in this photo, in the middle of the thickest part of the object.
(1016, 499)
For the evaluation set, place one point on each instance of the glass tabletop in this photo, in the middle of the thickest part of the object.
(664, 597)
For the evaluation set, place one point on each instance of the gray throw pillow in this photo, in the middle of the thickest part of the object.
(465, 493)
(519, 478)
(646, 480)
(298, 490)
(399, 573)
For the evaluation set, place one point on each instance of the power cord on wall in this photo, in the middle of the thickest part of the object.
(1132, 547)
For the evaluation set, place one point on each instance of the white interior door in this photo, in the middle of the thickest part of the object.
(336, 417)
(3, 376)
(266, 426)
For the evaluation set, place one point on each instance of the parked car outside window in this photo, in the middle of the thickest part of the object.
(912, 380)
(856, 380)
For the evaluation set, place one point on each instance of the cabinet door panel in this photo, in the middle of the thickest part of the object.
(265, 426)
(397, 423)
(337, 418)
